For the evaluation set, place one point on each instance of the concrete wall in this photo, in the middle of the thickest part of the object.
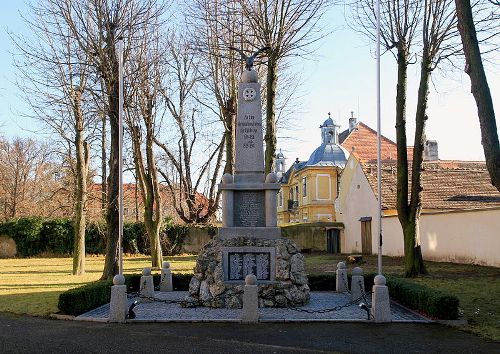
(310, 236)
(461, 237)
(196, 239)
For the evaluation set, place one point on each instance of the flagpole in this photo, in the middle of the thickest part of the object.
(120, 155)
(379, 148)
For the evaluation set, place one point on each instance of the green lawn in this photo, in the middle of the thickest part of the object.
(32, 285)
(477, 287)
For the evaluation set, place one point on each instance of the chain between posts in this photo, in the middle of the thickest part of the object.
(187, 303)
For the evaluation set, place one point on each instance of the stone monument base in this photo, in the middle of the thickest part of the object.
(282, 283)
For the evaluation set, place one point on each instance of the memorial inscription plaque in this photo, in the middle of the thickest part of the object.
(238, 262)
(249, 209)
(241, 264)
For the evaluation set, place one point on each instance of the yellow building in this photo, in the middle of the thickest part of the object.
(310, 188)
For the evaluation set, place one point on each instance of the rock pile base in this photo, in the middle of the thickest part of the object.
(289, 288)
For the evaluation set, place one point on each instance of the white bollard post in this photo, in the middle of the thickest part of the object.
(147, 287)
(118, 303)
(166, 278)
(250, 311)
(381, 306)
(341, 278)
(357, 283)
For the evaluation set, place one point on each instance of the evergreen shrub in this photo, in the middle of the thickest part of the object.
(433, 303)
(87, 297)
(57, 235)
(26, 234)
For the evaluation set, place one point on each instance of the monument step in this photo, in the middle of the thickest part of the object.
(250, 232)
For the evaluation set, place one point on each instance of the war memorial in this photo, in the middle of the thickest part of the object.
(249, 242)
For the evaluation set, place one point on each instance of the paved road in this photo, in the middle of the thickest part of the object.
(30, 334)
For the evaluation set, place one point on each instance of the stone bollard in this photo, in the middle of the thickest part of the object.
(250, 311)
(166, 278)
(147, 286)
(381, 306)
(357, 283)
(118, 304)
(341, 278)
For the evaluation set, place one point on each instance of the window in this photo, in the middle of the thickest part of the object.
(296, 192)
(304, 187)
(280, 198)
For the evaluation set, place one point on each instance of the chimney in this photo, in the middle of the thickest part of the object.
(431, 150)
(352, 122)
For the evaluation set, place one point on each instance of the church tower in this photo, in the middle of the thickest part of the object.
(329, 131)
(280, 164)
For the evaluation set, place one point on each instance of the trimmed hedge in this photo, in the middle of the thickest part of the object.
(432, 302)
(80, 300)
(87, 297)
(34, 236)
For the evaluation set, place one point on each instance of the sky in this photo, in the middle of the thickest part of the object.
(340, 78)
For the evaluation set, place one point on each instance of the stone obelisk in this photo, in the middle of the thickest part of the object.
(249, 240)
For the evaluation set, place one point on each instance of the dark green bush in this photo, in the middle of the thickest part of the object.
(80, 300)
(134, 238)
(87, 297)
(57, 236)
(172, 237)
(26, 233)
(434, 303)
(95, 238)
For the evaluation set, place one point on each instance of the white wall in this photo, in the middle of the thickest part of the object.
(461, 237)
(356, 200)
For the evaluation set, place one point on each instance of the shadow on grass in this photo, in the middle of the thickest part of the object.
(35, 303)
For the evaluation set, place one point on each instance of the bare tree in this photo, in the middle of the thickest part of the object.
(400, 20)
(54, 73)
(217, 27)
(191, 135)
(97, 25)
(146, 64)
(479, 87)
(289, 27)
(26, 178)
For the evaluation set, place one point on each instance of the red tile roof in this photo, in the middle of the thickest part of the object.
(362, 141)
(447, 185)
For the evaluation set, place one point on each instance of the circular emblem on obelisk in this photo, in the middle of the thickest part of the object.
(249, 94)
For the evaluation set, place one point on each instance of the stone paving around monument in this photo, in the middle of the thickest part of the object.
(163, 312)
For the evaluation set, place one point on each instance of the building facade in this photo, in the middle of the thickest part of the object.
(309, 188)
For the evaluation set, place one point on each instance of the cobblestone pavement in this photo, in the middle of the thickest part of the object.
(171, 312)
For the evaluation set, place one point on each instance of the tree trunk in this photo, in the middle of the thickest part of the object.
(414, 263)
(270, 137)
(153, 210)
(112, 214)
(147, 176)
(103, 165)
(230, 117)
(82, 163)
(480, 90)
(402, 152)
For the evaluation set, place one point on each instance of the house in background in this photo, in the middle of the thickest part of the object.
(460, 219)
(309, 188)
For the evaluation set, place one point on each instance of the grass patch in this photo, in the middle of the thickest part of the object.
(475, 286)
(33, 285)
